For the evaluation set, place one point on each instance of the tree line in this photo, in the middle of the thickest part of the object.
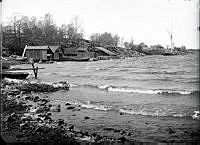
(21, 31)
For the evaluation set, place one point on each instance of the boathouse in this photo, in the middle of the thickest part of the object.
(36, 52)
(76, 52)
(43, 52)
(82, 53)
(70, 52)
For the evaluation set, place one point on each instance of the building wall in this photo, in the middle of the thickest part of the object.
(82, 54)
(36, 54)
(92, 55)
(56, 56)
(44, 55)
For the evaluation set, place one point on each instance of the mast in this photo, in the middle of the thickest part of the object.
(171, 39)
(24, 51)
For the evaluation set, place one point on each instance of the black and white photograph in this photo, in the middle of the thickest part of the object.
(87, 72)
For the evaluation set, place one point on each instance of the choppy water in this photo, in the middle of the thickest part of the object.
(149, 86)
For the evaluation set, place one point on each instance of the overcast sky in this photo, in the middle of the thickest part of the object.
(143, 20)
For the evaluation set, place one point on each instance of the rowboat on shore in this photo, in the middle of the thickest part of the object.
(80, 59)
(74, 59)
(14, 75)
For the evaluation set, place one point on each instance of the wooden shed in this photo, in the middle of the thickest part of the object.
(70, 52)
(43, 52)
(36, 52)
(55, 53)
(82, 53)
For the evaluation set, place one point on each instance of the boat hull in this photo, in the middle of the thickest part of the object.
(14, 75)
(74, 59)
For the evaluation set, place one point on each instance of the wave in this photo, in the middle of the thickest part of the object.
(196, 115)
(73, 85)
(160, 72)
(103, 86)
(87, 105)
(99, 106)
(101, 69)
(159, 113)
(142, 91)
(110, 88)
(96, 107)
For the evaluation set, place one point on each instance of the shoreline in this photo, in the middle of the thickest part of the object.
(32, 119)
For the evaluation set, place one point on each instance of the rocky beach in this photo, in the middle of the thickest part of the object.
(27, 117)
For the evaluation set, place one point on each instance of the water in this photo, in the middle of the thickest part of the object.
(152, 91)
(150, 85)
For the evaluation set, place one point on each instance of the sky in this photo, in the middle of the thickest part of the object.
(141, 20)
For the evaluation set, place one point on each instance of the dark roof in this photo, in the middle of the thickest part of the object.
(37, 47)
(105, 50)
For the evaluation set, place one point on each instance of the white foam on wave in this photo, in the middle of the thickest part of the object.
(130, 90)
(147, 113)
(73, 85)
(136, 90)
(127, 90)
(138, 112)
(196, 115)
(173, 92)
(103, 86)
(96, 107)
(87, 105)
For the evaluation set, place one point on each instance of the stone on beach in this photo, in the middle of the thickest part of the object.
(24, 125)
(60, 122)
(43, 102)
(70, 107)
(61, 85)
(171, 130)
(122, 139)
(12, 117)
(66, 104)
(55, 108)
(29, 86)
(76, 109)
(41, 109)
(36, 99)
(14, 92)
(86, 117)
(26, 118)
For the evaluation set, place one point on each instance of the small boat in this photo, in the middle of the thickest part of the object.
(168, 54)
(80, 59)
(14, 75)
(74, 59)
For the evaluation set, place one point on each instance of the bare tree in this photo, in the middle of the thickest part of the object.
(74, 29)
